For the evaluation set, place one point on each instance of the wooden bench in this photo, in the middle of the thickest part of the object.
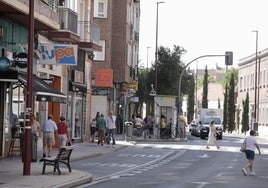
(62, 157)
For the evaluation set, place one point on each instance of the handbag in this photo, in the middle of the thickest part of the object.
(243, 146)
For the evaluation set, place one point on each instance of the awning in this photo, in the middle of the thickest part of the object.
(43, 91)
(74, 86)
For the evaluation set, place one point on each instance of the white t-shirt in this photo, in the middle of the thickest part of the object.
(110, 122)
(250, 143)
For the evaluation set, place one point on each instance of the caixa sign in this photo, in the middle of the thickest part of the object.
(59, 54)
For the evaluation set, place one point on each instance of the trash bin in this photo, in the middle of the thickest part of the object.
(129, 128)
(34, 147)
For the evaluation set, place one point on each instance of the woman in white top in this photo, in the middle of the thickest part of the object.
(251, 144)
(212, 135)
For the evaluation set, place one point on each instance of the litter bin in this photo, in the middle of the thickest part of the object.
(129, 128)
(34, 147)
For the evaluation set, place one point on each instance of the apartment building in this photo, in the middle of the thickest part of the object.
(253, 79)
(61, 86)
(115, 68)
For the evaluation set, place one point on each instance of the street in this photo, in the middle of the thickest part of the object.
(181, 164)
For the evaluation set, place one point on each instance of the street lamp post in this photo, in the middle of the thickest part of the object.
(179, 111)
(28, 125)
(156, 46)
(255, 88)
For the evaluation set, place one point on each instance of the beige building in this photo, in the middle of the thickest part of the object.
(248, 67)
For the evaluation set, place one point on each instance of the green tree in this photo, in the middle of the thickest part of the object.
(191, 99)
(238, 118)
(142, 89)
(227, 77)
(225, 108)
(231, 105)
(169, 68)
(245, 115)
(205, 90)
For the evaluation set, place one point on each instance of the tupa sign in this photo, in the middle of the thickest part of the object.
(58, 54)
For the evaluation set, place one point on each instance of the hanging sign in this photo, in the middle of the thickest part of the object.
(58, 54)
(21, 60)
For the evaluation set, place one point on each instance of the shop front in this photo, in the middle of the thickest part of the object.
(12, 103)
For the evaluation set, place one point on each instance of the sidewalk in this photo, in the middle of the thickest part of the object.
(11, 172)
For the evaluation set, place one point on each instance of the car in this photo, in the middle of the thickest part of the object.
(195, 128)
(192, 126)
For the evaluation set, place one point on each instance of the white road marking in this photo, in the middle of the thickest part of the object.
(204, 156)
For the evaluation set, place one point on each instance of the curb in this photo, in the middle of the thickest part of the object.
(75, 183)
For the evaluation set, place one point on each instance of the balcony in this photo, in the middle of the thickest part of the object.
(68, 19)
(68, 27)
(46, 17)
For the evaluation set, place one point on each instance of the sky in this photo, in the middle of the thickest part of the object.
(203, 27)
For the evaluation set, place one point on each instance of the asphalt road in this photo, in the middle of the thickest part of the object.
(178, 165)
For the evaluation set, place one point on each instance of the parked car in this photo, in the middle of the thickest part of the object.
(195, 128)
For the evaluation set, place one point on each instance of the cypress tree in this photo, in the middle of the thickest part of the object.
(245, 115)
(205, 90)
(225, 109)
(191, 99)
(231, 105)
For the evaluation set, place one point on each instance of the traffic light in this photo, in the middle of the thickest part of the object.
(228, 58)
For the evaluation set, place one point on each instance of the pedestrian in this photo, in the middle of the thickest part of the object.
(138, 125)
(49, 127)
(101, 129)
(163, 126)
(150, 124)
(96, 118)
(77, 127)
(62, 132)
(181, 127)
(36, 128)
(212, 135)
(110, 125)
(93, 125)
(251, 144)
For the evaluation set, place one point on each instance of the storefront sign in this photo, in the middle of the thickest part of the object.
(21, 60)
(104, 78)
(133, 85)
(4, 64)
(45, 98)
(58, 54)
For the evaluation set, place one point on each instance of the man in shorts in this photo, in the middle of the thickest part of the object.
(251, 144)
(49, 127)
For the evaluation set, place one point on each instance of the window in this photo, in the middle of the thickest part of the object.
(241, 83)
(100, 56)
(100, 8)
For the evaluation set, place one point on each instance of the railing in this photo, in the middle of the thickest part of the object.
(68, 19)
(153, 132)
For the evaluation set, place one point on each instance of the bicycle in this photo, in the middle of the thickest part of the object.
(148, 132)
